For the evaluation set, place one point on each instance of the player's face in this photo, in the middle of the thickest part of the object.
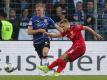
(105, 6)
(39, 11)
(90, 5)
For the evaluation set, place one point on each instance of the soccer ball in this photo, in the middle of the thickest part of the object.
(9, 68)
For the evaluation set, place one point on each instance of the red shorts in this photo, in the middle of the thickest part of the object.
(75, 51)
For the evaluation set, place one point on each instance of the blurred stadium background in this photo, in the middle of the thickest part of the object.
(88, 12)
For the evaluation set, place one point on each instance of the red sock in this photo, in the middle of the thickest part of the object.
(53, 64)
(61, 65)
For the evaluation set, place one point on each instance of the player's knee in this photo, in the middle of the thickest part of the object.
(45, 54)
(64, 57)
(40, 56)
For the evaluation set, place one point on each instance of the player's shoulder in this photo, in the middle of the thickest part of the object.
(76, 25)
(47, 17)
(33, 18)
(72, 26)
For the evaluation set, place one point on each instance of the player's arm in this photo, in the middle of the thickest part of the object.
(30, 30)
(55, 25)
(57, 35)
(58, 28)
(97, 36)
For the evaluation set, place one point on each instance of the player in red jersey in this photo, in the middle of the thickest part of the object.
(77, 49)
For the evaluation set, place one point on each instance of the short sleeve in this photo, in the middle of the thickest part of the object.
(51, 22)
(63, 34)
(30, 22)
(80, 27)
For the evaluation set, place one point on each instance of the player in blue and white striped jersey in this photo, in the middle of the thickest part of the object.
(37, 26)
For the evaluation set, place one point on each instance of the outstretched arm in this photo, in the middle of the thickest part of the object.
(53, 35)
(97, 36)
(55, 25)
(58, 28)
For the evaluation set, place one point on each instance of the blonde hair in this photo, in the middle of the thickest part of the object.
(64, 21)
(40, 5)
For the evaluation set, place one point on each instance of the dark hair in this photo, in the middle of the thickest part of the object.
(90, 1)
(3, 14)
(63, 21)
(40, 5)
(105, 4)
(79, 2)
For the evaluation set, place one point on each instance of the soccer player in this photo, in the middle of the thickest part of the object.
(37, 26)
(77, 49)
(6, 27)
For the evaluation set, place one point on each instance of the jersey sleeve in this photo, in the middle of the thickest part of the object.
(30, 22)
(51, 22)
(80, 27)
(63, 34)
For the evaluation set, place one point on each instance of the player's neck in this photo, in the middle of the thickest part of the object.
(41, 15)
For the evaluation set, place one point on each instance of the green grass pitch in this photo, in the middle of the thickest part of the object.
(99, 77)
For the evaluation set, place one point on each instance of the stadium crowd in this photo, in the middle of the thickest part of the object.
(76, 11)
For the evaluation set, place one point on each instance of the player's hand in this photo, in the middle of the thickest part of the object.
(98, 37)
(46, 33)
(41, 30)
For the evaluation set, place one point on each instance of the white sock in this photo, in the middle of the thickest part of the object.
(44, 61)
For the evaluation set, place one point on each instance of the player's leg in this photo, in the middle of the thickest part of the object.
(45, 50)
(60, 62)
(38, 49)
(75, 52)
(45, 56)
(70, 55)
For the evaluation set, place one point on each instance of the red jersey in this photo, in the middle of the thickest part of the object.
(78, 48)
(74, 34)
